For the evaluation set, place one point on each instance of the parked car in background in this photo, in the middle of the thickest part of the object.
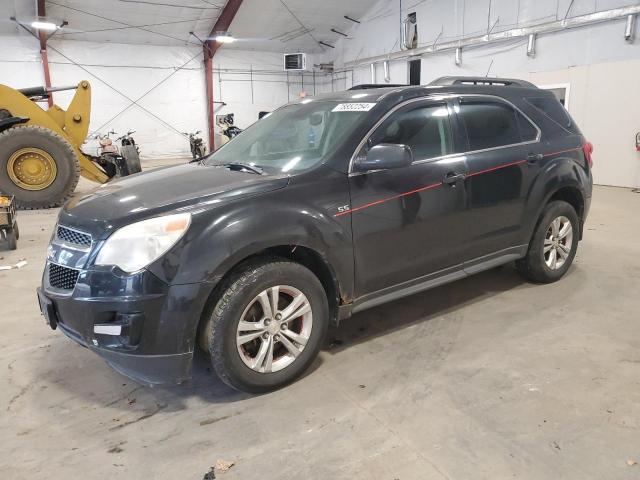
(252, 252)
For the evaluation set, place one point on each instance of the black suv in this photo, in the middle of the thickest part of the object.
(324, 208)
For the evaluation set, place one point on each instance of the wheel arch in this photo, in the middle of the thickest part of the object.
(303, 255)
(561, 179)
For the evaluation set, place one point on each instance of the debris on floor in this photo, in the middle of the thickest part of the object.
(223, 465)
(631, 462)
(21, 263)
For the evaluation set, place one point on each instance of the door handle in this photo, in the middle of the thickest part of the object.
(534, 157)
(452, 178)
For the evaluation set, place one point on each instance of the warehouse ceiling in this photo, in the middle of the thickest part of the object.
(273, 25)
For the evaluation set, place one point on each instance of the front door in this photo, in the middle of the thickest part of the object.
(406, 221)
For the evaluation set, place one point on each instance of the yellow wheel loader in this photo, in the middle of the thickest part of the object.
(40, 155)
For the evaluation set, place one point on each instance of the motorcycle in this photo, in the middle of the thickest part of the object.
(197, 145)
(229, 130)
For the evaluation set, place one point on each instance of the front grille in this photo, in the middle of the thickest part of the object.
(73, 236)
(61, 277)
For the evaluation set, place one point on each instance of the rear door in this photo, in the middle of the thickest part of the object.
(503, 155)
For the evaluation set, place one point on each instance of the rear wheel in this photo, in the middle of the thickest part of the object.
(37, 166)
(267, 326)
(553, 245)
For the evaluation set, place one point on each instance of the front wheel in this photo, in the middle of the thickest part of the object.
(553, 245)
(267, 325)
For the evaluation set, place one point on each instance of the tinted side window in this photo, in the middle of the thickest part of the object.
(425, 129)
(528, 131)
(489, 124)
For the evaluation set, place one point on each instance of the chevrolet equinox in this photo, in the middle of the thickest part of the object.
(326, 207)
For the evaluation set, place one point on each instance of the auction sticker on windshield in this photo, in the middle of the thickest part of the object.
(353, 107)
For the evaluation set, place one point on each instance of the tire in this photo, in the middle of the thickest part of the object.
(17, 230)
(62, 153)
(131, 159)
(236, 299)
(12, 238)
(534, 266)
(201, 152)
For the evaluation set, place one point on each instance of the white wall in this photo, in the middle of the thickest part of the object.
(250, 82)
(603, 69)
(170, 100)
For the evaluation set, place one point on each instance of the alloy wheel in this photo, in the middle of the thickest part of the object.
(274, 328)
(558, 242)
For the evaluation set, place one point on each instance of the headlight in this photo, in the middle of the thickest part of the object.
(137, 245)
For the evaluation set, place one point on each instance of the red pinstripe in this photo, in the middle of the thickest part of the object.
(434, 185)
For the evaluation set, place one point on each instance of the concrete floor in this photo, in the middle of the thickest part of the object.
(490, 377)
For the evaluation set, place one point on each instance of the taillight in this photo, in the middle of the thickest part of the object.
(587, 148)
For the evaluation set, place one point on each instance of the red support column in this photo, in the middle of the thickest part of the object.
(210, 47)
(43, 52)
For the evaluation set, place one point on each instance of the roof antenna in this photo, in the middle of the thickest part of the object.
(489, 69)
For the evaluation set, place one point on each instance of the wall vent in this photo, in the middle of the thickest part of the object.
(295, 61)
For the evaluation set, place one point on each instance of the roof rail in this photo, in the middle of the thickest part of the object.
(368, 86)
(506, 82)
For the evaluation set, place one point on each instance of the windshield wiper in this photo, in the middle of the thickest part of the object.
(243, 166)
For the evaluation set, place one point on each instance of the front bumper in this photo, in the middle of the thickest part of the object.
(143, 328)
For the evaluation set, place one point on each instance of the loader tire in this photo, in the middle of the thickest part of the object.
(37, 166)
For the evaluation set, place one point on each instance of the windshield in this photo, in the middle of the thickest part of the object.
(294, 137)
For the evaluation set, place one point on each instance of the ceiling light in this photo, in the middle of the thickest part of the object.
(44, 26)
(224, 38)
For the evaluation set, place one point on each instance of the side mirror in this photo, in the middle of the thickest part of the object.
(384, 156)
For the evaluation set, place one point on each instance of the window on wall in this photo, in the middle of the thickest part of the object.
(560, 91)
(425, 129)
(494, 124)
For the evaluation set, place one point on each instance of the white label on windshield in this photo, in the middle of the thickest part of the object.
(353, 107)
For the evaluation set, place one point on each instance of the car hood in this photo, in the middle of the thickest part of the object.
(140, 196)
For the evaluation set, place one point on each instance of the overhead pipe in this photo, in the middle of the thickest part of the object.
(492, 38)
(387, 74)
(630, 28)
(373, 73)
(458, 56)
(531, 45)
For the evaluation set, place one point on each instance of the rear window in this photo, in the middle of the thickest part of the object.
(494, 124)
(553, 109)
